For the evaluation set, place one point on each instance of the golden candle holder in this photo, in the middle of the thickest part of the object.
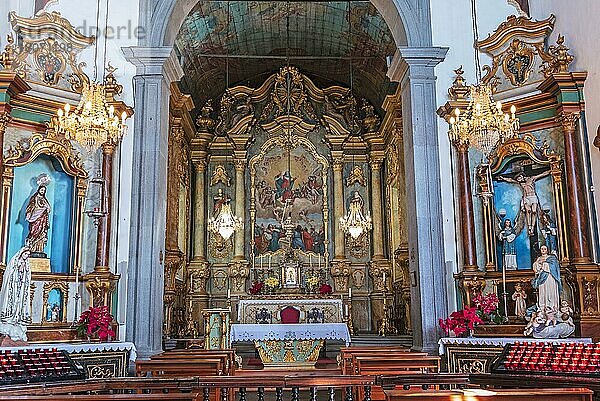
(349, 321)
(386, 327)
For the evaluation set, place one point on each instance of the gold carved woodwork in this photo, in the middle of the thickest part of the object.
(590, 300)
(472, 286)
(64, 290)
(458, 90)
(568, 121)
(28, 150)
(205, 122)
(220, 248)
(47, 51)
(219, 280)
(101, 285)
(518, 47)
(402, 290)
(220, 175)
(359, 279)
(356, 175)
(377, 269)
(340, 272)
(239, 271)
(199, 273)
(359, 247)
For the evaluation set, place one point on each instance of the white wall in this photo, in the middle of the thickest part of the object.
(452, 27)
(578, 20)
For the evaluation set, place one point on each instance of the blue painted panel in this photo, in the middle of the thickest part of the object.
(60, 193)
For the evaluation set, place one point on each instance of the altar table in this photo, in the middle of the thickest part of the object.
(99, 360)
(289, 345)
(474, 355)
(266, 310)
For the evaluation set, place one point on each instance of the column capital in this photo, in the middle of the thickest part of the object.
(376, 160)
(108, 147)
(239, 163)
(568, 120)
(338, 163)
(154, 61)
(406, 58)
(199, 165)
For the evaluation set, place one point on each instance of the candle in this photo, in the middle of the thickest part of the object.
(384, 278)
(309, 261)
(349, 292)
(319, 262)
(269, 266)
(261, 260)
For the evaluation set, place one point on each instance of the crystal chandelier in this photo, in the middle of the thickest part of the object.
(484, 124)
(225, 223)
(355, 222)
(93, 122)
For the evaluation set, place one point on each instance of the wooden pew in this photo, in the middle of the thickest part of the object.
(348, 354)
(570, 394)
(226, 355)
(108, 397)
(180, 367)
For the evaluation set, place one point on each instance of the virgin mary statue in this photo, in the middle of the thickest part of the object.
(38, 216)
(15, 304)
(547, 280)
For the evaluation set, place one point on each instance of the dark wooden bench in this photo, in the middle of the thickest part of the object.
(571, 394)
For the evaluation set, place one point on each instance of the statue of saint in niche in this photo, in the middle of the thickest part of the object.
(37, 215)
(530, 203)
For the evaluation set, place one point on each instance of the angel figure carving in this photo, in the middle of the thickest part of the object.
(530, 203)
(507, 234)
(37, 215)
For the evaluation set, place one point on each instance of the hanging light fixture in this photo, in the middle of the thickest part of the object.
(225, 223)
(93, 122)
(484, 125)
(355, 222)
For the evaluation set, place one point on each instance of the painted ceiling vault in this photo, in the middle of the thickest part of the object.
(254, 38)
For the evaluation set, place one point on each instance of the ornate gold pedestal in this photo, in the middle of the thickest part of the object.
(298, 354)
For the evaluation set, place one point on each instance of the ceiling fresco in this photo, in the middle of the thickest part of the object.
(322, 39)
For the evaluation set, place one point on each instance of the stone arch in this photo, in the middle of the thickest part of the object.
(408, 20)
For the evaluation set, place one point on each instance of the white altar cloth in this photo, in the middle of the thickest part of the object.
(82, 347)
(332, 308)
(502, 341)
(314, 331)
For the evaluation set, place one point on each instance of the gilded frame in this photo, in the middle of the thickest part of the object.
(280, 135)
(26, 152)
(62, 287)
(524, 146)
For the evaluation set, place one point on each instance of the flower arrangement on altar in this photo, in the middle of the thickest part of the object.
(272, 283)
(256, 288)
(487, 308)
(464, 321)
(325, 289)
(96, 322)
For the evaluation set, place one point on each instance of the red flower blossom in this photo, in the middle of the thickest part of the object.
(460, 321)
(256, 288)
(325, 289)
(487, 303)
(96, 321)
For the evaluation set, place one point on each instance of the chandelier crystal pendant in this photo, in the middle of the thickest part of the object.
(225, 223)
(93, 122)
(484, 125)
(355, 222)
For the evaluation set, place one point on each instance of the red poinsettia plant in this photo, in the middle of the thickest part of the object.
(96, 322)
(461, 321)
(487, 307)
(325, 289)
(256, 288)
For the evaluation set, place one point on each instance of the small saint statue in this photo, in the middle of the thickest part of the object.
(547, 280)
(507, 237)
(15, 303)
(519, 296)
(37, 215)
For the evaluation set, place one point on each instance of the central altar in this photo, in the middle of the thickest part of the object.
(289, 345)
(311, 309)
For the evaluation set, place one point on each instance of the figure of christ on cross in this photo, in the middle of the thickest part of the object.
(530, 203)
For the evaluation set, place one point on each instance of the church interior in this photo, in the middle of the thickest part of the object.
(222, 200)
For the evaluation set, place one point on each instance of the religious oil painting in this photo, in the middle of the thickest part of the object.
(41, 213)
(525, 213)
(289, 199)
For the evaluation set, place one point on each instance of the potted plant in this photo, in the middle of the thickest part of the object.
(95, 323)
(487, 308)
(272, 283)
(461, 322)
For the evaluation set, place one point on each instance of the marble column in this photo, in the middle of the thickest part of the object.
(240, 197)
(199, 211)
(413, 67)
(575, 188)
(156, 69)
(338, 204)
(466, 213)
(375, 161)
